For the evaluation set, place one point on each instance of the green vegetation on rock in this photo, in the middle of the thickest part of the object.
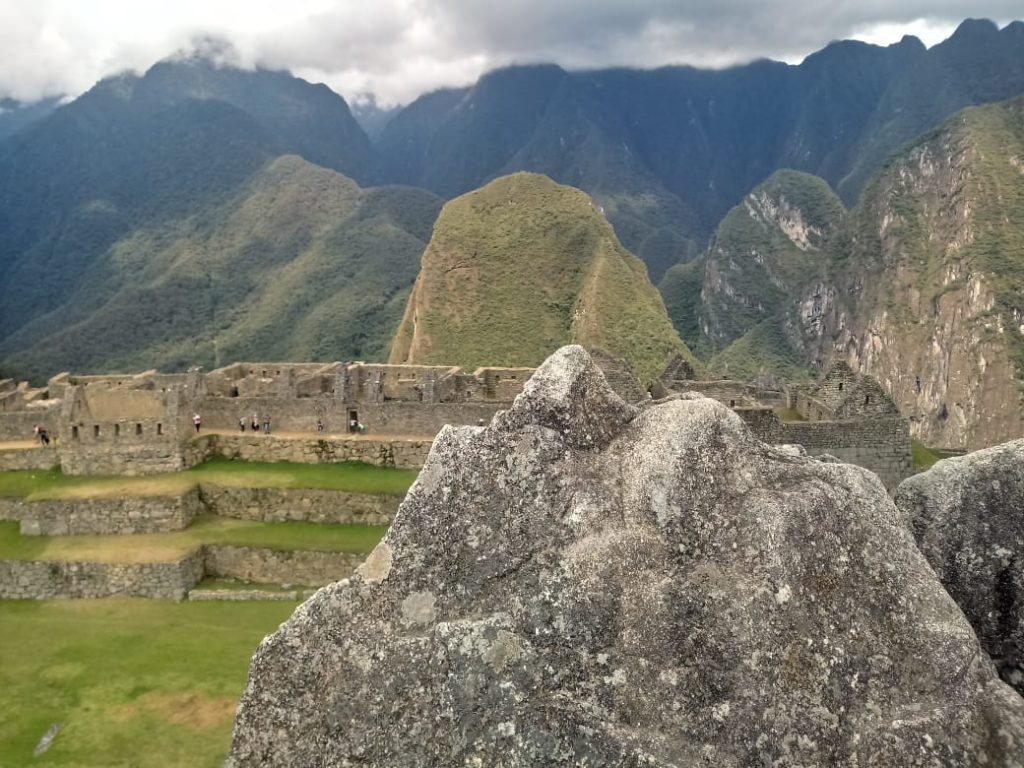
(522, 266)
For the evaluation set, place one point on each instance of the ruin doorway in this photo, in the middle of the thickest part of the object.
(353, 421)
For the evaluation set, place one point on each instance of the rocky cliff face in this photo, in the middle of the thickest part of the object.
(522, 266)
(929, 300)
(920, 286)
(586, 582)
(967, 514)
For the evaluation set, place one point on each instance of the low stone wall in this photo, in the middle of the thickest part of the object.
(241, 595)
(19, 425)
(306, 504)
(28, 459)
(39, 580)
(881, 445)
(277, 566)
(12, 508)
(158, 514)
(300, 414)
(405, 454)
(109, 516)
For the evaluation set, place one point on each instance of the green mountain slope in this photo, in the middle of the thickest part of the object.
(921, 285)
(520, 267)
(929, 286)
(300, 264)
(668, 152)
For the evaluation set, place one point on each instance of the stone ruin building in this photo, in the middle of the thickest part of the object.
(845, 415)
(142, 423)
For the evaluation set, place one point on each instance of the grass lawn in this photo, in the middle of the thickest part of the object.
(923, 456)
(789, 414)
(352, 476)
(132, 682)
(207, 529)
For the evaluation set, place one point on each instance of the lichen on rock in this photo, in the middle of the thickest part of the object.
(590, 583)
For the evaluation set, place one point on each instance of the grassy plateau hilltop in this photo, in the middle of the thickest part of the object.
(522, 266)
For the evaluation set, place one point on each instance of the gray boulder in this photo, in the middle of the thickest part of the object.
(967, 515)
(588, 583)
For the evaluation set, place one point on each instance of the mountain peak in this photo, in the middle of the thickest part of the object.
(974, 30)
(521, 266)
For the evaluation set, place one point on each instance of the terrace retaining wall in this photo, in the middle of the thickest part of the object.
(404, 454)
(161, 514)
(36, 458)
(109, 516)
(306, 504)
(222, 561)
(43, 580)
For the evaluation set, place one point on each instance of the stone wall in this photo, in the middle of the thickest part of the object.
(12, 508)
(29, 458)
(306, 504)
(109, 516)
(881, 445)
(300, 414)
(277, 566)
(39, 580)
(405, 454)
(117, 449)
(155, 514)
(18, 425)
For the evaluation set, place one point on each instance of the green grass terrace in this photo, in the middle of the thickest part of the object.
(131, 682)
(206, 529)
(353, 477)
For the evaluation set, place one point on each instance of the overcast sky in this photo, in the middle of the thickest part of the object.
(398, 49)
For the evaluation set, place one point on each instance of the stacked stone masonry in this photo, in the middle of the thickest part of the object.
(309, 505)
(405, 454)
(39, 458)
(277, 566)
(142, 423)
(159, 514)
(51, 579)
(38, 580)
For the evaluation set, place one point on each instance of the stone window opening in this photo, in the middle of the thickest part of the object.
(74, 433)
(840, 386)
(159, 429)
(138, 429)
(117, 430)
(95, 430)
(867, 399)
(732, 403)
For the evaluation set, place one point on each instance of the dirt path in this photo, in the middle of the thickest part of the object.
(18, 445)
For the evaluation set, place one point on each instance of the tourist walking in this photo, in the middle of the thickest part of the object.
(266, 424)
(197, 420)
(255, 423)
(319, 425)
(43, 437)
(241, 424)
(353, 425)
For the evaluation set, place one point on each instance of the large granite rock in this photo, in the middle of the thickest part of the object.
(967, 515)
(586, 583)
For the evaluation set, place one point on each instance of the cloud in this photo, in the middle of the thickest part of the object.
(398, 49)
